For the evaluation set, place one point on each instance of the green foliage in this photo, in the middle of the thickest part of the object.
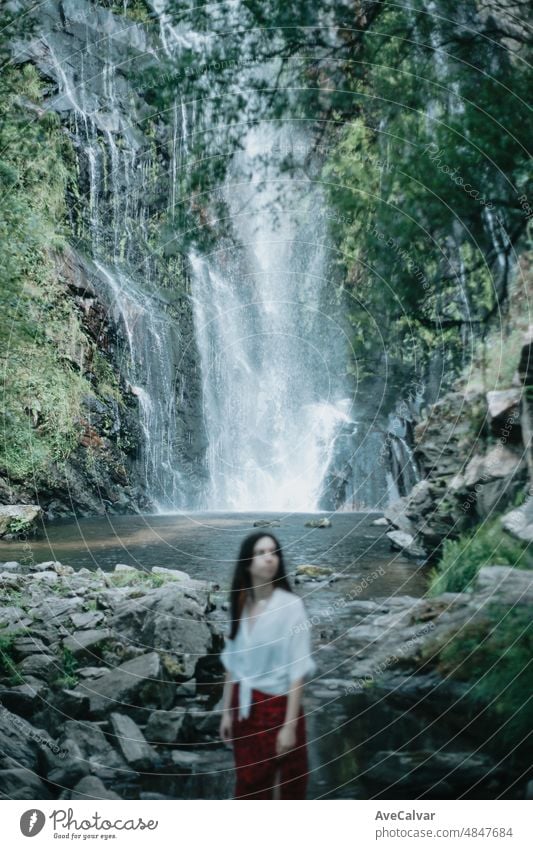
(15, 598)
(146, 579)
(495, 657)
(8, 666)
(135, 10)
(423, 183)
(419, 129)
(69, 670)
(41, 341)
(19, 526)
(60, 588)
(486, 545)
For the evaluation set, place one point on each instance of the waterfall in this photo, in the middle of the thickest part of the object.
(270, 339)
(150, 366)
(266, 421)
(83, 54)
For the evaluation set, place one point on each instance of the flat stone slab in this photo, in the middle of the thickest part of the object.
(129, 687)
(132, 742)
(88, 643)
(91, 787)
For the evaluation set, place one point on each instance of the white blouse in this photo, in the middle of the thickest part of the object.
(273, 653)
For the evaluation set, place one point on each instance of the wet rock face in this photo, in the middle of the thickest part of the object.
(475, 453)
(18, 520)
(139, 353)
(101, 712)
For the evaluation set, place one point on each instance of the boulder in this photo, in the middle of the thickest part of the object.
(186, 690)
(499, 462)
(91, 787)
(70, 703)
(13, 617)
(88, 619)
(313, 572)
(164, 726)
(43, 666)
(135, 686)
(18, 742)
(318, 523)
(406, 543)
(88, 643)
(200, 725)
(87, 744)
(11, 566)
(171, 620)
(266, 523)
(185, 761)
(63, 570)
(418, 503)
(18, 519)
(24, 646)
(68, 766)
(519, 522)
(56, 609)
(20, 783)
(171, 574)
(395, 514)
(132, 743)
(495, 477)
(505, 584)
(504, 413)
(24, 699)
(48, 576)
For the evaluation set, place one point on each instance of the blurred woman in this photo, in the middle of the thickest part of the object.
(267, 658)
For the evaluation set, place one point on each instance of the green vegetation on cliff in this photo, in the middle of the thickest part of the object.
(40, 333)
(462, 558)
(416, 125)
(427, 182)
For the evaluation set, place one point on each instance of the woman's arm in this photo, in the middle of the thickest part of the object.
(287, 734)
(226, 721)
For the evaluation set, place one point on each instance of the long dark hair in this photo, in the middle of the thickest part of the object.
(241, 583)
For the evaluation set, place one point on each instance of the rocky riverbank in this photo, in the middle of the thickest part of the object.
(476, 454)
(107, 685)
(446, 681)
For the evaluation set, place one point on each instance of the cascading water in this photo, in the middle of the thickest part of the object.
(118, 164)
(270, 341)
(277, 413)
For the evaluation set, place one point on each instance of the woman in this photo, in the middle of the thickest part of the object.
(267, 658)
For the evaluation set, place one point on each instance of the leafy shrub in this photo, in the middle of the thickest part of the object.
(462, 559)
(69, 677)
(8, 667)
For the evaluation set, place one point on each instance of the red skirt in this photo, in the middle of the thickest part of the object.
(257, 766)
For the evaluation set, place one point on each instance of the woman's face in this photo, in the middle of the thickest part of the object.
(265, 562)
